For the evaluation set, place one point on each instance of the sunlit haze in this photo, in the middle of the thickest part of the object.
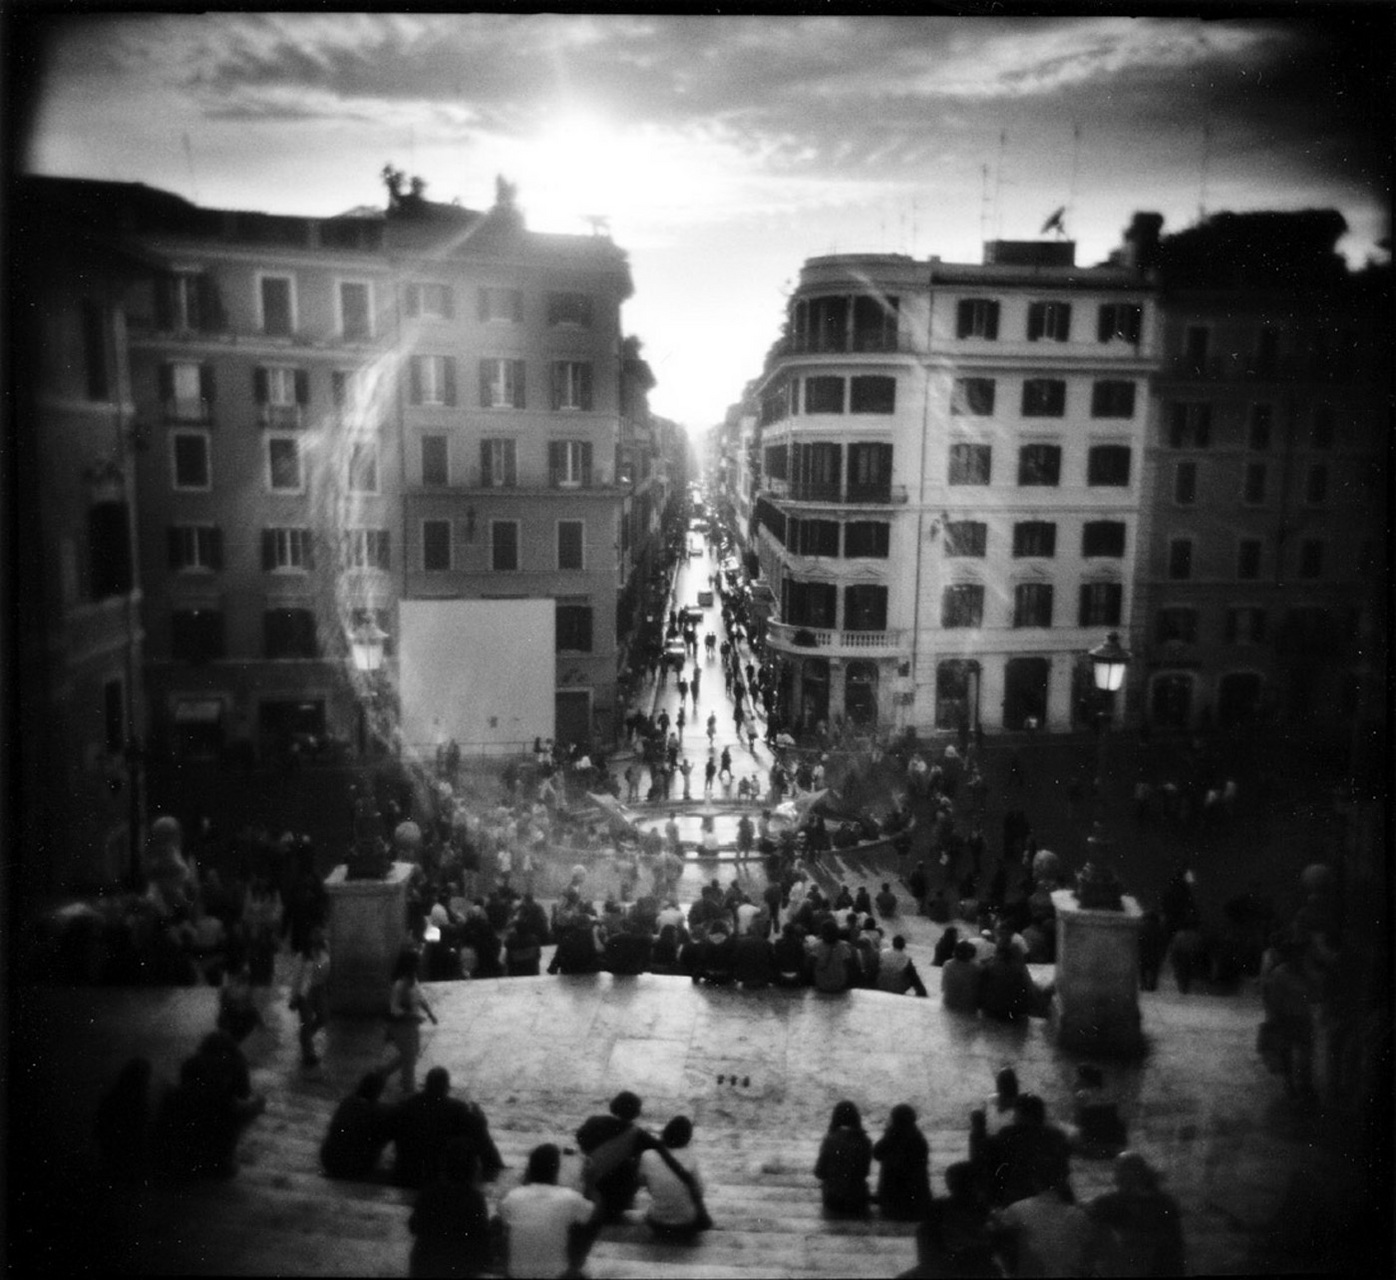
(722, 152)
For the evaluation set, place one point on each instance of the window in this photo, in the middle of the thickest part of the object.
(1180, 559)
(865, 608)
(1108, 465)
(1034, 538)
(1321, 432)
(1189, 424)
(809, 604)
(1258, 433)
(501, 305)
(574, 628)
(823, 395)
(430, 301)
(1101, 604)
(977, 318)
(1032, 604)
(1049, 320)
(1248, 559)
(777, 464)
(281, 393)
(196, 635)
(97, 376)
(1176, 626)
(195, 546)
(817, 472)
(1044, 397)
(1316, 485)
(569, 464)
(287, 550)
(867, 539)
(432, 380)
(1039, 464)
(1196, 340)
(189, 460)
(186, 391)
(872, 394)
(569, 308)
(504, 545)
(109, 550)
(970, 463)
(355, 310)
(821, 324)
(349, 389)
(1103, 538)
(814, 537)
(289, 633)
(875, 323)
(570, 535)
(498, 465)
(1122, 320)
(571, 384)
(966, 538)
(1112, 399)
(1245, 625)
(962, 605)
(284, 465)
(436, 546)
(1311, 558)
(973, 396)
(278, 306)
(188, 301)
(1185, 484)
(869, 472)
(367, 549)
(363, 467)
(1253, 485)
(1267, 351)
(435, 469)
(501, 384)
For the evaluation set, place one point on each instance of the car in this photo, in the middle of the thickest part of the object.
(705, 599)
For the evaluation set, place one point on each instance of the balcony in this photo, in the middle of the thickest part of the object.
(814, 344)
(824, 494)
(834, 644)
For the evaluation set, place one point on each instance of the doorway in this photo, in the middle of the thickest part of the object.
(1025, 693)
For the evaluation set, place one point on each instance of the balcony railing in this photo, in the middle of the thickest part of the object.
(885, 495)
(790, 638)
(806, 344)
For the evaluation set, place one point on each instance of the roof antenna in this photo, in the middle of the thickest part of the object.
(1206, 161)
(998, 185)
(1075, 169)
(189, 160)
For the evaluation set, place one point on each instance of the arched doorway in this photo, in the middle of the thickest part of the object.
(957, 693)
(860, 693)
(1025, 692)
(1170, 701)
(814, 692)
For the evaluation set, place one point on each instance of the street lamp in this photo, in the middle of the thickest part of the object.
(367, 643)
(1108, 663)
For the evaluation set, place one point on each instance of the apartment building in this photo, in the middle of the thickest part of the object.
(80, 811)
(1263, 569)
(950, 484)
(331, 415)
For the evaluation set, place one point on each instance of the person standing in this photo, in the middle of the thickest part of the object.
(406, 1006)
(697, 676)
(709, 773)
(310, 992)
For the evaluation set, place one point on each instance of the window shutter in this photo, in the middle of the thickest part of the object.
(308, 548)
(1083, 612)
(166, 382)
(449, 365)
(215, 548)
(554, 463)
(584, 387)
(414, 300)
(302, 386)
(1035, 318)
(584, 630)
(484, 384)
(519, 384)
(586, 464)
(486, 475)
(414, 372)
(268, 549)
(1064, 315)
(259, 385)
(448, 302)
(1105, 326)
(165, 303)
(210, 317)
(964, 318)
(339, 388)
(557, 384)
(510, 465)
(518, 307)
(206, 389)
(176, 546)
(385, 540)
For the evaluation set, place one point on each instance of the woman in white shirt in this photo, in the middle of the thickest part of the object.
(676, 1211)
(406, 1005)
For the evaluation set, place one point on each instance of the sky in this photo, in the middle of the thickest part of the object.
(723, 151)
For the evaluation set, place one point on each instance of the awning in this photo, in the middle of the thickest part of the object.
(198, 711)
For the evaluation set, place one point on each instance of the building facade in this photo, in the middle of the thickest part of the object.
(950, 484)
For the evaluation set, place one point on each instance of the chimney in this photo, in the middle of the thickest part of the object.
(1140, 248)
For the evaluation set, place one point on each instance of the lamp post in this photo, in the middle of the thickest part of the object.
(1108, 664)
(366, 647)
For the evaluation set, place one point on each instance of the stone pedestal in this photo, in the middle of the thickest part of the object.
(1096, 1005)
(367, 930)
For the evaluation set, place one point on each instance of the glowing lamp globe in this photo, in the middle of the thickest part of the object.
(1108, 663)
